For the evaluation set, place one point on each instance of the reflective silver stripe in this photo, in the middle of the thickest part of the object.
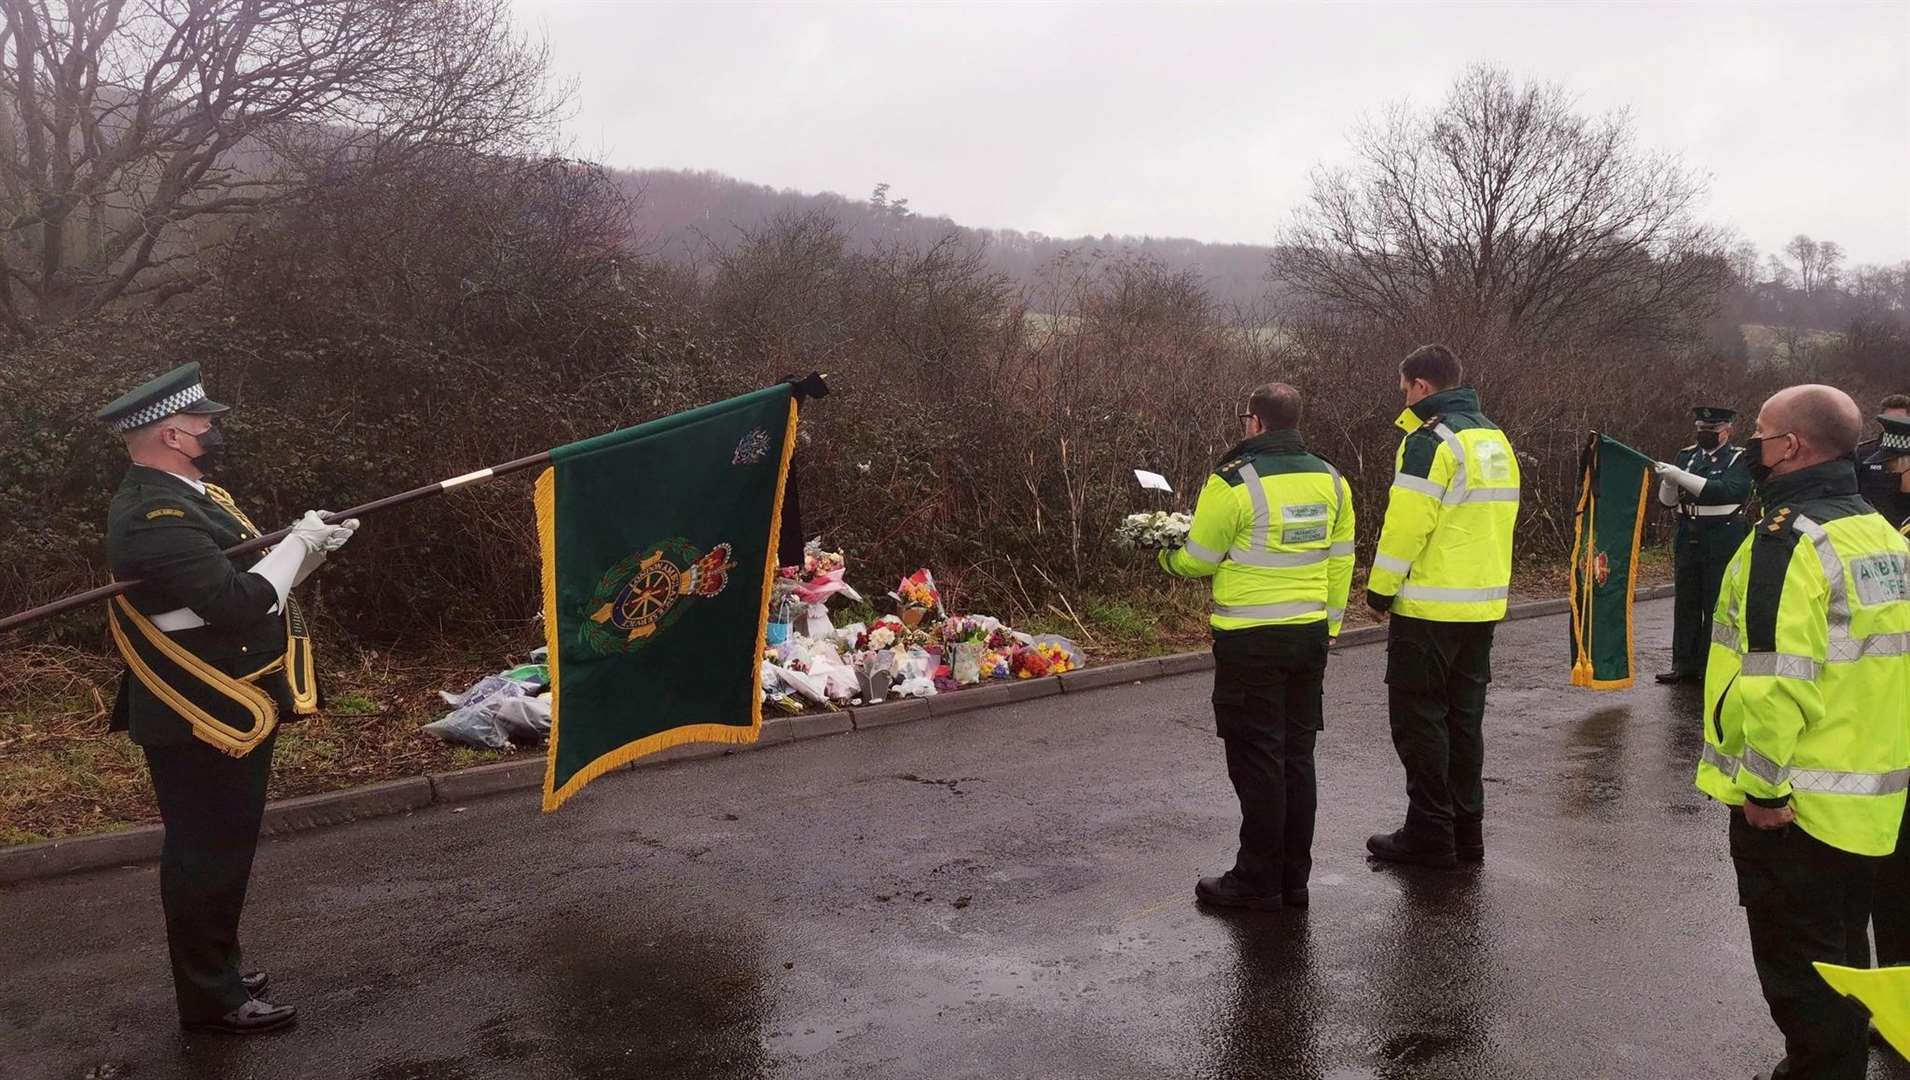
(1204, 554)
(1725, 635)
(1410, 591)
(1419, 484)
(1720, 760)
(1782, 666)
(1339, 490)
(1278, 558)
(1336, 614)
(1459, 479)
(1455, 497)
(1262, 513)
(1828, 782)
(1341, 549)
(1763, 768)
(1833, 564)
(1819, 781)
(1849, 652)
(1392, 565)
(1269, 611)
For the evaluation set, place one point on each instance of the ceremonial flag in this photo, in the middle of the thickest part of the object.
(1884, 991)
(660, 551)
(1616, 481)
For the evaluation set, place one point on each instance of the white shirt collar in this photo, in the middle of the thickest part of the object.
(196, 485)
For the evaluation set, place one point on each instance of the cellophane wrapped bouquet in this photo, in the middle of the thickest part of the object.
(1153, 531)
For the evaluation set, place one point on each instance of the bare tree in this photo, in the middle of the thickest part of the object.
(131, 129)
(1819, 263)
(1506, 206)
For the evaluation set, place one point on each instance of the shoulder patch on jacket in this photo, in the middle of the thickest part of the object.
(1771, 547)
(165, 512)
(1421, 447)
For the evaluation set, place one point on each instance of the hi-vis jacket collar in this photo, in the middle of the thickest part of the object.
(1837, 477)
(1268, 442)
(1457, 399)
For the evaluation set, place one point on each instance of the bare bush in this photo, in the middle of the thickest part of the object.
(129, 132)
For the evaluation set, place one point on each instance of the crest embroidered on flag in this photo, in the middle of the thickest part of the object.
(639, 597)
(752, 449)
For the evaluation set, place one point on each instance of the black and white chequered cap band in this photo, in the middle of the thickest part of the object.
(1895, 440)
(160, 409)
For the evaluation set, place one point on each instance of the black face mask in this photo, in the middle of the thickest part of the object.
(1709, 440)
(211, 450)
(1754, 446)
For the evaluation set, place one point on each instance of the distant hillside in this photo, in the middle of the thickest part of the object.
(683, 215)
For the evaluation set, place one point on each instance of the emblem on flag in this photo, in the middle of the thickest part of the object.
(640, 596)
(752, 449)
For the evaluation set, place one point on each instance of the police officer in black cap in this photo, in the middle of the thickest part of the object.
(1879, 476)
(1708, 486)
(216, 656)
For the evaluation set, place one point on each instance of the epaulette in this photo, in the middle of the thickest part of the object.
(1776, 521)
(1230, 470)
(1687, 449)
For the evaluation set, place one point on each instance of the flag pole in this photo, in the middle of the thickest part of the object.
(107, 592)
(815, 385)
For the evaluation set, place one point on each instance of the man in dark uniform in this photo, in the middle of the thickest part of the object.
(216, 657)
(1878, 480)
(1890, 913)
(1708, 486)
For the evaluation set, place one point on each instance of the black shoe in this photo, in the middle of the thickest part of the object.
(1294, 897)
(1396, 847)
(255, 982)
(1227, 891)
(1469, 841)
(1679, 678)
(252, 1018)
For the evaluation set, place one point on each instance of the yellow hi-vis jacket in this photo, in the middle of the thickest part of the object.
(1807, 691)
(1274, 529)
(1445, 551)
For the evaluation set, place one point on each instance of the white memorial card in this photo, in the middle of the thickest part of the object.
(1153, 481)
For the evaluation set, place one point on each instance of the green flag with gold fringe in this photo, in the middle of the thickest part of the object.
(1615, 481)
(659, 554)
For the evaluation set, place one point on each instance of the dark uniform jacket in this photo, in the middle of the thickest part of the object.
(1883, 490)
(163, 532)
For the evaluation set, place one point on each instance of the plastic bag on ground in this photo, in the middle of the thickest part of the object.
(474, 719)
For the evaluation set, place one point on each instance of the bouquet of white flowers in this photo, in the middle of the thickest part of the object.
(1153, 531)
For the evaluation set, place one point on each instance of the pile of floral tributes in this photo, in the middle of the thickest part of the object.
(919, 651)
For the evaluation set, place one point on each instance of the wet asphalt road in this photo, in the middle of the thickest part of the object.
(1003, 894)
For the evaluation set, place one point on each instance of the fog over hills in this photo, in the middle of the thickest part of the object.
(686, 216)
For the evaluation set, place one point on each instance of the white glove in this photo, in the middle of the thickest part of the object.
(320, 538)
(1672, 474)
(340, 534)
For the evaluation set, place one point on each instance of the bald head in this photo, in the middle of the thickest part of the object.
(1823, 420)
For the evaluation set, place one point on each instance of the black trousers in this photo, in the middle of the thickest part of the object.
(1700, 555)
(1891, 912)
(1436, 678)
(1268, 688)
(1796, 892)
(212, 805)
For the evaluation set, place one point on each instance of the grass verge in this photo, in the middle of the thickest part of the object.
(63, 774)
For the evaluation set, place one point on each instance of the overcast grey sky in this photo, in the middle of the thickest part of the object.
(1203, 120)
